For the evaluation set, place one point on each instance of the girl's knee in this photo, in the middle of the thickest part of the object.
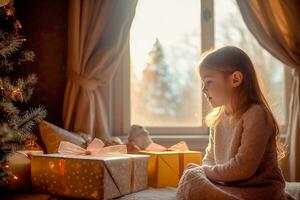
(194, 176)
(191, 174)
(191, 165)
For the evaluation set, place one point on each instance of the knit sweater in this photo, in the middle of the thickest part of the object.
(240, 161)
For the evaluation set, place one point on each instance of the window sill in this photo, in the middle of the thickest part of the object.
(195, 142)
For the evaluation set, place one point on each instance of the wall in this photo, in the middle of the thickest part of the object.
(45, 28)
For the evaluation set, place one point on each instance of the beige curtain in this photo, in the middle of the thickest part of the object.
(276, 26)
(98, 31)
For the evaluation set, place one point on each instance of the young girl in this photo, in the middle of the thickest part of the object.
(240, 160)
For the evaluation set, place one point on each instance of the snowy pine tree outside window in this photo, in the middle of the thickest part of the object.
(165, 49)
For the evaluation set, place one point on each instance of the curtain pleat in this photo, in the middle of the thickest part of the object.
(98, 31)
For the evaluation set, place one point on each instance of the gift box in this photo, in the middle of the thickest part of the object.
(19, 165)
(88, 176)
(166, 167)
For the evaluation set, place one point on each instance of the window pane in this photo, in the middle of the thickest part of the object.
(230, 29)
(165, 48)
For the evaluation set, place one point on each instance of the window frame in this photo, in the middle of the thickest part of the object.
(121, 125)
(120, 107)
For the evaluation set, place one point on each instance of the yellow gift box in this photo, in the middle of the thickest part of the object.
(88, 176)
(165, 168)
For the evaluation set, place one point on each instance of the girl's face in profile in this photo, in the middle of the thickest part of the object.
(215, 87)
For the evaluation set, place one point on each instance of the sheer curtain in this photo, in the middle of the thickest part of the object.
(276, 26)
(98, 31)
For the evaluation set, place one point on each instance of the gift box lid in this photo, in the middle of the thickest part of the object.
(94, 157)
(171, 152)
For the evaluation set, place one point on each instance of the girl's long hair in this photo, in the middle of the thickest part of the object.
(227, 60)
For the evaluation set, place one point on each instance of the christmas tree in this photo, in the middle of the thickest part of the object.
(16, 120)
(162, 94)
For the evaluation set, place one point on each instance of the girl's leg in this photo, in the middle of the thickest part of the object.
(194, 185)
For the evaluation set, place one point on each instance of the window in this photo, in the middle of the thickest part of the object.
(160, 88)
(165, 48)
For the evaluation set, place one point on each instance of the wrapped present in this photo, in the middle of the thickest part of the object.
(166, 165)
(95, 176)
(19, 165)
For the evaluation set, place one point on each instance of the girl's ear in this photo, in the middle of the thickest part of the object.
(237, 78)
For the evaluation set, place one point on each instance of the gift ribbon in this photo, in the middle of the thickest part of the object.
(61, 171)
(180, 146)
(181, 163)
(132, 180)
(96, 147)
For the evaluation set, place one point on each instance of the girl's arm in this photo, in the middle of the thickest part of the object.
(255, 136)
(209, 157)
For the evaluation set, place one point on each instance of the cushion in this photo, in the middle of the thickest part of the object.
(52, 135)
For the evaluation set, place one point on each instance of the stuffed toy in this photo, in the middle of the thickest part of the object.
(139, 136)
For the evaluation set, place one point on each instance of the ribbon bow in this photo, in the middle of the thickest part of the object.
(181, 146)
(96, 147)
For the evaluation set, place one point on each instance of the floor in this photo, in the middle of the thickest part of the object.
(292, 188)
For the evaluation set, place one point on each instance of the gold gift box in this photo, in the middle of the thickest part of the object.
(165, 168)
(19, 165)
(87, 176)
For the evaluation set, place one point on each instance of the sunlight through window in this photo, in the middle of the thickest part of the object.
(165, 49)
